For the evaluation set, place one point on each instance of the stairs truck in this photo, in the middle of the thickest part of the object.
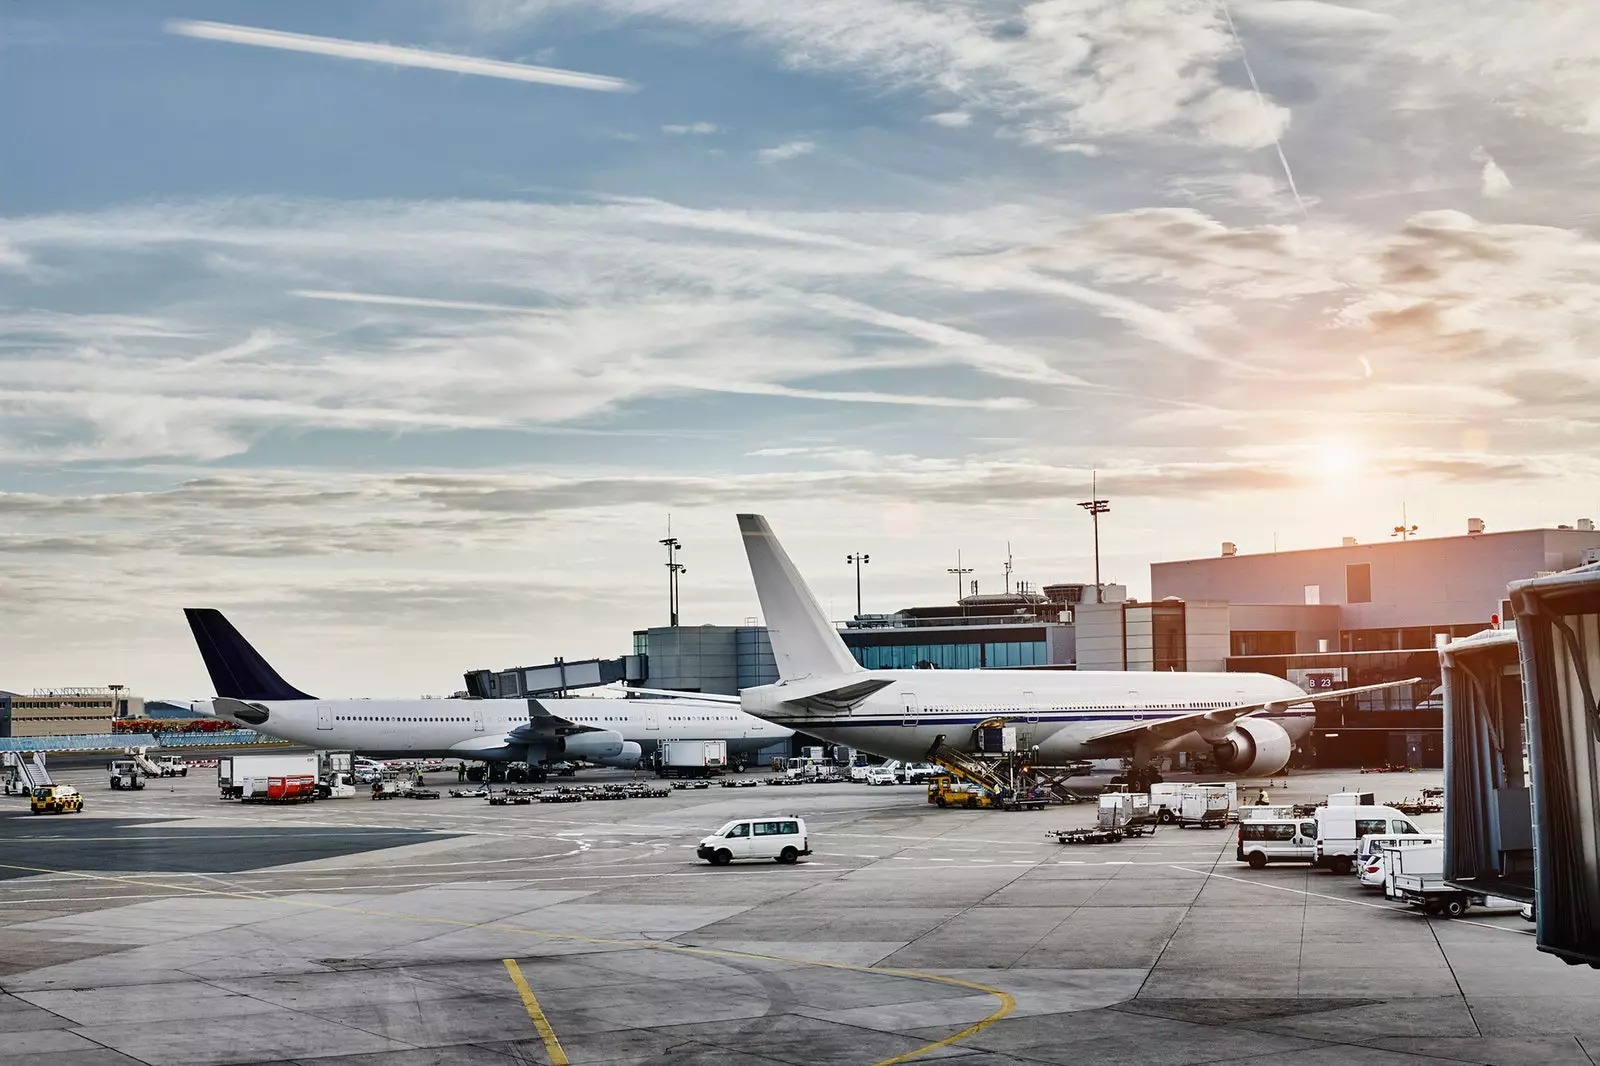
(691, 758)
(267, 778)
(125, 775)
(24, 772)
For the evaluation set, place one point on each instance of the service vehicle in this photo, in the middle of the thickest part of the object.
(1415, 875)
(1254, 812)
(1205, 806)
(56, 799)
(949, 791)
(125, 774)
(781, 839)
(691, 758)
(170, 766)
(1264, 840)
(234, 771)
(1340, 827)
(917, 773)
(1371, 868)
(1166, 799)
(336, 786)
(881, 775)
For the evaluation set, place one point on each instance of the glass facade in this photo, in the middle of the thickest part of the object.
(953, 656)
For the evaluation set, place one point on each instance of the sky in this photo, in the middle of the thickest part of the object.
(398, 329)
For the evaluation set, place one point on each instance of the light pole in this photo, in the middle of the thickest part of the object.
(1404, 529)
(860, 559)
(1096, 507)
(674, 568)
(960, 572)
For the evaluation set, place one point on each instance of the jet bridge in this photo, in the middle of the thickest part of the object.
(1488, 817)
(1558, 632)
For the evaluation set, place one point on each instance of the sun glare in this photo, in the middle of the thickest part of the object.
(1336, 458)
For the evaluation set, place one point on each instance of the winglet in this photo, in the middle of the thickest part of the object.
(237, 670)
(804, 643)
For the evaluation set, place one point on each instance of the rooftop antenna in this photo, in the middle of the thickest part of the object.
(1008, 568)
(1404, 530)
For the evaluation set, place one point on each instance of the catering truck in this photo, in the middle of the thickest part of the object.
(691, 758)
(275, 778)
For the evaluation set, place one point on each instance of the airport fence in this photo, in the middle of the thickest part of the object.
(91, 742)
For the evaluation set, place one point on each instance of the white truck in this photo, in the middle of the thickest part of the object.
(1340, 827)
(691, 758)
(242, 776)
(125, 775)
(1415, 875)
(1205, 806)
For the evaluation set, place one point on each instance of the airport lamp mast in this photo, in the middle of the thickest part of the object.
(960, 572)
(1404, 529)
(860, 559)
(1096, 507)
(674, 568)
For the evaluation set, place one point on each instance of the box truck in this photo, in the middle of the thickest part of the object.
(691, 758)
(249, 777)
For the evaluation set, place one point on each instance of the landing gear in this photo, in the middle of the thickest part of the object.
(1141, 775)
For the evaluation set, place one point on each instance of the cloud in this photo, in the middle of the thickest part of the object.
(697, 128)
(1053, 72)
(395, 55)
(412, 301)
(787, 150)
(951, 119)
(1493, 182)
(1315, 16)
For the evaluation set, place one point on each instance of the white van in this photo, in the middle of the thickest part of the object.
(1264, 840)
(1340, 829)
(778, 839)
(1370, 865)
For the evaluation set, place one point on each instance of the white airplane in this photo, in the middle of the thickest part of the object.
(1249, 723)
(612, 732)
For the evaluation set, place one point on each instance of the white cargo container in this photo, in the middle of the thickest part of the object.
(692, 758)
(234, 770)
(1206, 806)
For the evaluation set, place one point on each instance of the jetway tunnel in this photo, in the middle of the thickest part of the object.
(1558, 634)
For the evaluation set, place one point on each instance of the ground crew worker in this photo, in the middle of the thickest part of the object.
(419, 779)
(1261, 800)
(461, 771)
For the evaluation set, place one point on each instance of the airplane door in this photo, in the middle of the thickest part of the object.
(324, 716)
(1030, 718)
(1136, 705)
(477, 719)
(912, 710)
(652, 716)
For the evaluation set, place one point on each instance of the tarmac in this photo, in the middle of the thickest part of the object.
(169, 927)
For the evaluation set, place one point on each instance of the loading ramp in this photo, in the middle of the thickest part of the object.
(1010, 775)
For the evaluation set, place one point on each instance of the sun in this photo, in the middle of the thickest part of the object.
(1336, 458)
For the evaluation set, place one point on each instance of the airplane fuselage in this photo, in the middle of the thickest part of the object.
(1056, 711)
(449, 728)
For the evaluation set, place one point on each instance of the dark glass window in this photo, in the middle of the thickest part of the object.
(1358, 583)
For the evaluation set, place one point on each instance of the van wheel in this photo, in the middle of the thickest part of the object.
(1340, 865)
(1454, 907)
(1257, 860)
(722, 857)
(789, 855)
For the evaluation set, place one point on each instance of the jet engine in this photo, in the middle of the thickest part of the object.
(1254, 747)
(597, 745)
(627, 760)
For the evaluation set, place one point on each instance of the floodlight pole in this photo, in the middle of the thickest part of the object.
(1096, 507)
(859, 559)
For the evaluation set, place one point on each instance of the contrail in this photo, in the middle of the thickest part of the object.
(395, 54)
(1245, 57)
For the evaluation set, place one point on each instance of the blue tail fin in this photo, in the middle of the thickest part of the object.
(237, 670)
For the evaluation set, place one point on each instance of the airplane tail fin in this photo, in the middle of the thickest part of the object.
(804, 643)
(237, 670)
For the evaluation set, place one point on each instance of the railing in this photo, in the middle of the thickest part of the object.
(118, 741)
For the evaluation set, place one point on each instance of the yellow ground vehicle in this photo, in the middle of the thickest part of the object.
(948, 791)
(57, 799)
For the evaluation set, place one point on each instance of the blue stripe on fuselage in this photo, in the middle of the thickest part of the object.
(927, 718)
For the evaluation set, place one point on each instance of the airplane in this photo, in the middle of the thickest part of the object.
(611, 732)
(1249, 723)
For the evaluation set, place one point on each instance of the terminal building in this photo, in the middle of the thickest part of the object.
(65, 711)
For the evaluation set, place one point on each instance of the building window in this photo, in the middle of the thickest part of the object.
(1313, 595)
(1358, 583)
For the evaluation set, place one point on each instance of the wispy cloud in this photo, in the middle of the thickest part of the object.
(395, 55)
(386, 300)
(697, 128)
(788, 150)
(951, 119)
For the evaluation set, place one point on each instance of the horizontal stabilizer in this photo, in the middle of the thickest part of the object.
(1213, 724)
(840, 698)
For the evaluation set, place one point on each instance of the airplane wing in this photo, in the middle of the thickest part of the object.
(1212, 721)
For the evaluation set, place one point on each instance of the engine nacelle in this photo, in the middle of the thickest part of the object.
(596, 745)
(628, 759)
(1255, 747)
